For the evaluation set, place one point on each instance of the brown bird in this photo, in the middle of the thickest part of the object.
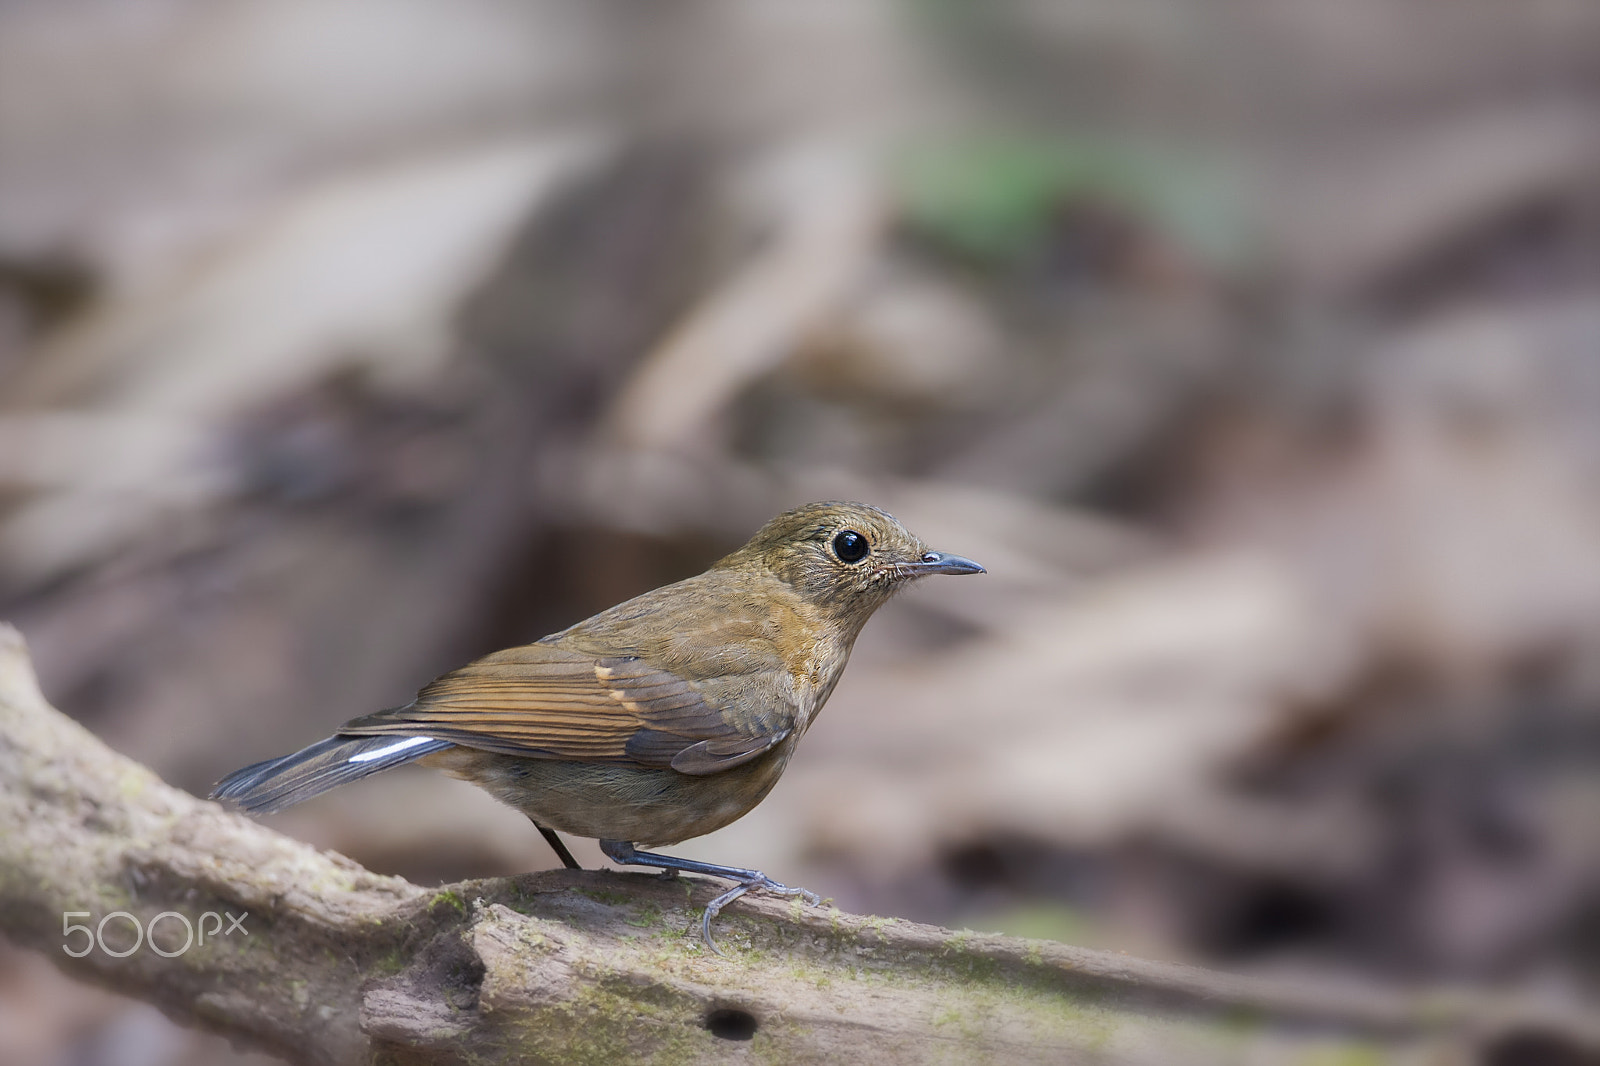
(660, 719)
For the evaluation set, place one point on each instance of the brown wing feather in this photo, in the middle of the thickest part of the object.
(540, 701)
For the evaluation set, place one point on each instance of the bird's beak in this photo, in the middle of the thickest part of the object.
(945, 563)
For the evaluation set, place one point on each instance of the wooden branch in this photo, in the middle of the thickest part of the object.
(336, 964)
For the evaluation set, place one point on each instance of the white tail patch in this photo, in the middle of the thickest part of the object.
(390, 749)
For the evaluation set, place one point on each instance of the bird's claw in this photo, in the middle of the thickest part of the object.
(759, 883)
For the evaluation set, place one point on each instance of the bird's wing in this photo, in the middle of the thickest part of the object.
(544, 702)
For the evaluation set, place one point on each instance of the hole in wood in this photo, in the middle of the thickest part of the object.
(731, 1023)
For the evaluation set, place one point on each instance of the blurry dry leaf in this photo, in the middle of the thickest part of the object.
(825, 232)
(1486, 452)
(907, 339)
(1351, 215)
(131, 453)
(362, 273)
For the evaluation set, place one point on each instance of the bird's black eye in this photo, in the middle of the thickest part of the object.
(850, 546)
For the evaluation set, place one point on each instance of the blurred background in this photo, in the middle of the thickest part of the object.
(1253, 346)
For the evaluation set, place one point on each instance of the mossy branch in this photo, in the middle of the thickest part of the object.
(340, 965)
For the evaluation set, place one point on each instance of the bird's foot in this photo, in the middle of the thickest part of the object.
(744, 880)
(759, 883)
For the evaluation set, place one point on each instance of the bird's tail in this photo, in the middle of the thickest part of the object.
(272, 785)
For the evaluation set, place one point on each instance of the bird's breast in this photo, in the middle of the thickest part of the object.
(814, 678)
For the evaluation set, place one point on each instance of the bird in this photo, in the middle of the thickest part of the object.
(663, 718)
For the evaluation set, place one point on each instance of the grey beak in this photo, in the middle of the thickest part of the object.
(945, 563)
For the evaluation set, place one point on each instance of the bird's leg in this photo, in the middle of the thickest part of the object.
(557, 846)
(748, 880)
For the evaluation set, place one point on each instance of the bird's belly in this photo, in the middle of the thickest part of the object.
(630, 803)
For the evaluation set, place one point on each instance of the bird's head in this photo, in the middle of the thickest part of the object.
(847, 558)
